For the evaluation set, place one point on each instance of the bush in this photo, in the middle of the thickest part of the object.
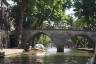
(2, 54)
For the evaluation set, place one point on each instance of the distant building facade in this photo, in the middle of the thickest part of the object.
(4, 25)
(4, 15)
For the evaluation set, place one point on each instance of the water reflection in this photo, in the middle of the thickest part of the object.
(54, 50)
(43, 58)
(92, 60)
(66, 50)
(1, 61)
(59, 59)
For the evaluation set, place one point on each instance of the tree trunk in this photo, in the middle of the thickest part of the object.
(20, 24)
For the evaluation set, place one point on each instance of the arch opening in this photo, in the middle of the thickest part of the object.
(82, 42)
(41, 38)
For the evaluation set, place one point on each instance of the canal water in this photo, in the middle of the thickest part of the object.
(70, 56)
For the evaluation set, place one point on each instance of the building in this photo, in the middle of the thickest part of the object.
(4, 14)
(4, 25)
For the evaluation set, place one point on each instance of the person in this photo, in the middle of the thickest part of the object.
(26, 48)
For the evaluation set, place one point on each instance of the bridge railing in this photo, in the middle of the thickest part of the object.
(62, 28)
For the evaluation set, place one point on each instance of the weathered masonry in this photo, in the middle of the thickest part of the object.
(58, 36)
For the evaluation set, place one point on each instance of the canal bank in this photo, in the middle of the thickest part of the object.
(12, 52)
(86, 49)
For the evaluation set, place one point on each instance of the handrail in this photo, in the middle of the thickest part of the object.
(60, 28)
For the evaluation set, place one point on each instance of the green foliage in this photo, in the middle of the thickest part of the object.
(41, 38)
(69, 21)
(85, 12)
(45, 10)
(80, 23)
(14, 13)
(53, 11)
(85, 9)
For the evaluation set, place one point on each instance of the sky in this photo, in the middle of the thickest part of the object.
(10, 2)
(69, 11)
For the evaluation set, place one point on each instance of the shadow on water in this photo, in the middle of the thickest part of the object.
(1, 60)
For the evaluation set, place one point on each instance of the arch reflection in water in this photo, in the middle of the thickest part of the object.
(54, 50)
(60, 59)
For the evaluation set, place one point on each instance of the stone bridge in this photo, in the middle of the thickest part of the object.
(58, 36)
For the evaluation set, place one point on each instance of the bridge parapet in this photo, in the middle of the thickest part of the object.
(58, 32)
(61, 28)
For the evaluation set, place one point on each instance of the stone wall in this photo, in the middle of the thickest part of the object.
(3, 38)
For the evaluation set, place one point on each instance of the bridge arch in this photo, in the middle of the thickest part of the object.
(32, 38)
(89, 38)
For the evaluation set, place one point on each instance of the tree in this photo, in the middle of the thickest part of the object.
(85, 9)
(19, 11)
(85, 12)
(46, 10)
